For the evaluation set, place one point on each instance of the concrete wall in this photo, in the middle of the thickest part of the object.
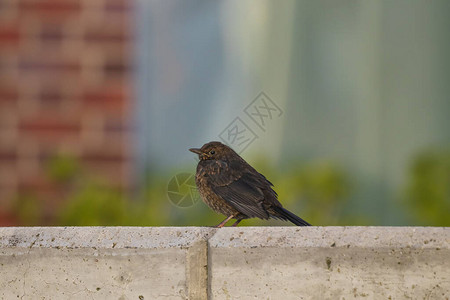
(228, 263)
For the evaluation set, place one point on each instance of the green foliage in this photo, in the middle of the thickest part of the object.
(317, 191)
(428, 189)
(62, 168)
(28, 210)
(94, 205)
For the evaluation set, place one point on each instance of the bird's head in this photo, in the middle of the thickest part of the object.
(213, 151)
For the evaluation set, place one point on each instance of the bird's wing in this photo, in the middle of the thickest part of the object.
(239, 187)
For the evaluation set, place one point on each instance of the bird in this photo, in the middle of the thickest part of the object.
(232, 187)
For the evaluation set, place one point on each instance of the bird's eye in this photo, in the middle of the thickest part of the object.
(212, 152)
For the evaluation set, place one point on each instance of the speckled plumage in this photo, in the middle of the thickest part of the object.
(230, 186)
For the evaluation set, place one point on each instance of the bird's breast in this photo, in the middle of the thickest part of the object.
(216, 203)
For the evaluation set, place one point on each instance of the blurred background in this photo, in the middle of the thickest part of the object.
(343, 105)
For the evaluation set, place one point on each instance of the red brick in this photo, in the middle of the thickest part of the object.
(9, 34)
(119, 5)
(103, 95)
(105, 36)
(8, 94)
(37, 185)
(61, 100)
(47, 124)
(7, 218)
(50, 9)
(116, 68)
(58, 5)
(114, 28)
(104, 157)
(8, 155)
(50, 98)
(46, 154)
(113, 173)
(8, 170)
(116, 125)
(111, 148)
(109, 98)
(34, 183)
(28, 64)
(51, 33)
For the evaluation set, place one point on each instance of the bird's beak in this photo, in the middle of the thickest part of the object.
(196, 151)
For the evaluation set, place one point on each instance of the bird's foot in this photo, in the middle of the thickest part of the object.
(225, 221)
(236, 223)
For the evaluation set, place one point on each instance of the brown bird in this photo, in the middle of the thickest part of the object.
(230, 186)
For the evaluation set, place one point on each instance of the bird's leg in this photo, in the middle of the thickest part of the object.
(236, 223)
(225, 221)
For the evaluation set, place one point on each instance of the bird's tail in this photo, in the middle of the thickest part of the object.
(287, 215)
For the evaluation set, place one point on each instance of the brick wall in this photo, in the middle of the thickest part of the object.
(65, 88)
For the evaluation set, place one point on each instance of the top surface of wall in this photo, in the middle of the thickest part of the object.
(163, 237)
(226, 263)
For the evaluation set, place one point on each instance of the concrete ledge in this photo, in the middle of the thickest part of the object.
(330, 263)
(102, 237)
(226, 263)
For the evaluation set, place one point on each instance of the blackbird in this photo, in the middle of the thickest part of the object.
(230, 186)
